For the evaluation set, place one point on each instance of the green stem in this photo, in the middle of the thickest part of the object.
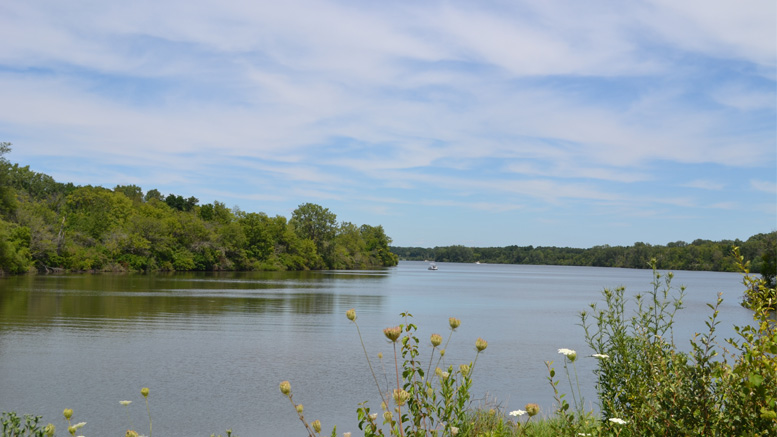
(301, 417)
(445, 347)
(380, 392)
(571, 389)
(149, 417)
(431, 358)
(472, 369)
(579, 394)
(399, 408)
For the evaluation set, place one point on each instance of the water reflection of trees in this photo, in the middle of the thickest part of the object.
(111, 300)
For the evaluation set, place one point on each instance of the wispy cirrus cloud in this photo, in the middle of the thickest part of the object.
(503, 108)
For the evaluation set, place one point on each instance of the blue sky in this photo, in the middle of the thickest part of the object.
(485, 123)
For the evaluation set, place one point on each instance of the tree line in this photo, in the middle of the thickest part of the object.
(46, 225)
(697, 255)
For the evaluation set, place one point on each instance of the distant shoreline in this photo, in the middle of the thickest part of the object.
(699, 255)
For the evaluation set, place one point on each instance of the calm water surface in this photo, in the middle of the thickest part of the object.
(213, 347)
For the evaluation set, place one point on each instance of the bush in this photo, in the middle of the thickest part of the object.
(659, 390)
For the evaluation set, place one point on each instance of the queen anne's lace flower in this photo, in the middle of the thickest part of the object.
(602, 356)
(517, 413)
(618, 421)
(569, 353)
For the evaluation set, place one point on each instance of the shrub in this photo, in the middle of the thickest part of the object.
(662, 391)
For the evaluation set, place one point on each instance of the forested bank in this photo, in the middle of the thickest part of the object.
(698, 255)
(47, 225)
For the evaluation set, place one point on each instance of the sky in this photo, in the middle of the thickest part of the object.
(480, 123)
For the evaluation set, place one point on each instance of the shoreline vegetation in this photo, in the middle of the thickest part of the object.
(48, 226)
(700, 254)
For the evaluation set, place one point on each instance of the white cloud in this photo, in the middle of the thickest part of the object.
(720, 29)
(538, 102)
(765, 186)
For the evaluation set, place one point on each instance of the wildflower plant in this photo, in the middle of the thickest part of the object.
(129, 419)
(652, 388)
(144, 392)
(313, 428)
(421, 402)
(13, 425)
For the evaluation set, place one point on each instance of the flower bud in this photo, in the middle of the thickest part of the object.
(144, 392)
(351, 314)
(436, 340)
(49, 430)
(299, 408)
(374, 417)
(464, 369)
(346, 434)
(131, 433)
(68, 413)
(380, 355)
(532, 409)
(442, 352)
(429, 392)
(481, 344)
(316, 426)
(454, 322)
(438, 372)
(285, 387)
(400, 396)
(393, 333)
(444, 375)
(387, 416)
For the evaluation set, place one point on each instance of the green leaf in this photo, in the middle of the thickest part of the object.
(755, 379)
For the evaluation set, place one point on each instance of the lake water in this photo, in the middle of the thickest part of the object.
(213, 347)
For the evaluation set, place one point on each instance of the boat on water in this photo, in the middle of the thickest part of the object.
(432, 266)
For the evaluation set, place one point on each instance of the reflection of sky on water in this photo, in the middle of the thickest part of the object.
(213, 347)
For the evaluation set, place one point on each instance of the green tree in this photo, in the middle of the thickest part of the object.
(95, 210)
(260, 235)
(7, 195)
(317, 224)
(133, 192)
(377, 245)
(152, 195)
(217, 212)
(350, 248)
(14, 252)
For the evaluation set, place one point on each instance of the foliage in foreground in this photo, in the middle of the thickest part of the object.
(646, 385)
(711, 390)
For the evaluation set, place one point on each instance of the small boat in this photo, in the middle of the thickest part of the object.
(433, 266)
